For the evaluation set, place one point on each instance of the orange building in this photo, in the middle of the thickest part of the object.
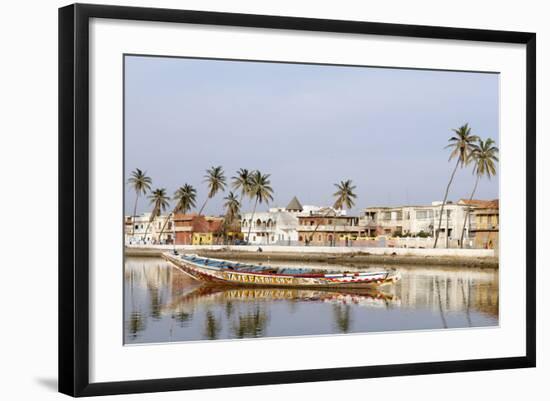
(485, 224)
(191, 229)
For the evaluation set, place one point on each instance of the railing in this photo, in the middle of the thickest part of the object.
(331, 228)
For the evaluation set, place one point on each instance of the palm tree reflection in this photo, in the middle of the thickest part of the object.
(342, 317)
(183, 318)
(136, 324)
(251, 324)
(212, 326)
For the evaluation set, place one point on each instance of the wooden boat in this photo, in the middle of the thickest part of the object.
(235, 273)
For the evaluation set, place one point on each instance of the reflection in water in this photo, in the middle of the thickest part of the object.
(163, 304)
(341, 315)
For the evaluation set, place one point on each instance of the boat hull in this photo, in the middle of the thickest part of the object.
(243, 278)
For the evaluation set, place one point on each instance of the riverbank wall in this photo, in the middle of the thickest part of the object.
(342, 255)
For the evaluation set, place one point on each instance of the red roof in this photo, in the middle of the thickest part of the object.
(200, 224)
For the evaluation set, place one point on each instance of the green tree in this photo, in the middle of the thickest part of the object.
(232, 208)
(141, 184)
(461, 148)
(216, 182)
(185, 198)
(241, 182)
(260, 191)
(160, 202)
(344, 197)
(484, 156)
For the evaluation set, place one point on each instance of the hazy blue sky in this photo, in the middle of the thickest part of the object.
(309, 126)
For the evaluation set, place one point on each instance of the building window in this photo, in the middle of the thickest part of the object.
(301, 238)
(421, 214)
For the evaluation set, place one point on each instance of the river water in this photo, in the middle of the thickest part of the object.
(162, 304)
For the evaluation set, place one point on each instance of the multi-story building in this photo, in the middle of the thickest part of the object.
(485, 222)
(420, 221)
(277, 226)
(191, 229)
(329, 227)
(142, 230)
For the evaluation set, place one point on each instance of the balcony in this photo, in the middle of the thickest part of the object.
(259, 229)
(331, 228)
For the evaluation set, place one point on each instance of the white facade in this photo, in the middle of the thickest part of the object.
(416, 220)
(278, 226)
(135, 230)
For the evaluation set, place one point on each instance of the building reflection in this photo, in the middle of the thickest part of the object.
(449, 290)
(155, 291)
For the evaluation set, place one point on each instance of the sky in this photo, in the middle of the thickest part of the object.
(309, 126)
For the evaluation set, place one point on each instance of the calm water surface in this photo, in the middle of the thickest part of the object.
(163, 304)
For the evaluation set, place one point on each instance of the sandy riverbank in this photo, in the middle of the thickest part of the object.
(346, 259)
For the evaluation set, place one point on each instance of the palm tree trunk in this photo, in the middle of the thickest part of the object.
(164, 225)
(147, 229)
(251, 221)
(334, 231)
(445, 201)
(318, 224)
(468, 213)
(203, 205)
(134, 215)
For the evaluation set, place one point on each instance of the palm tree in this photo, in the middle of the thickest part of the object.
(461, 145)
(344, 197)
(261, 191)
(242, 182)
(185, 198)
(232, 207)
(141, 183)
(484, 155)
(160, 202)
(216, 182)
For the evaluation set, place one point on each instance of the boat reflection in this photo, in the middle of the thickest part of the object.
(215, 295)
(162, 304)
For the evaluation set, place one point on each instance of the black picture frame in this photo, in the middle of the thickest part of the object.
(74, 198)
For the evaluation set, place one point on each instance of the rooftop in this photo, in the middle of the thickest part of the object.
(295, 205)
(485, 204)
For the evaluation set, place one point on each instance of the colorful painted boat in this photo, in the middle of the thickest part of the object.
(235, 273)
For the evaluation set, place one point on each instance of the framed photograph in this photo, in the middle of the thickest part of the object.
(252, 199)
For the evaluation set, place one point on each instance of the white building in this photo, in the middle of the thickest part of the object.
(420, 220)
(277, 226)
(135, 230)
